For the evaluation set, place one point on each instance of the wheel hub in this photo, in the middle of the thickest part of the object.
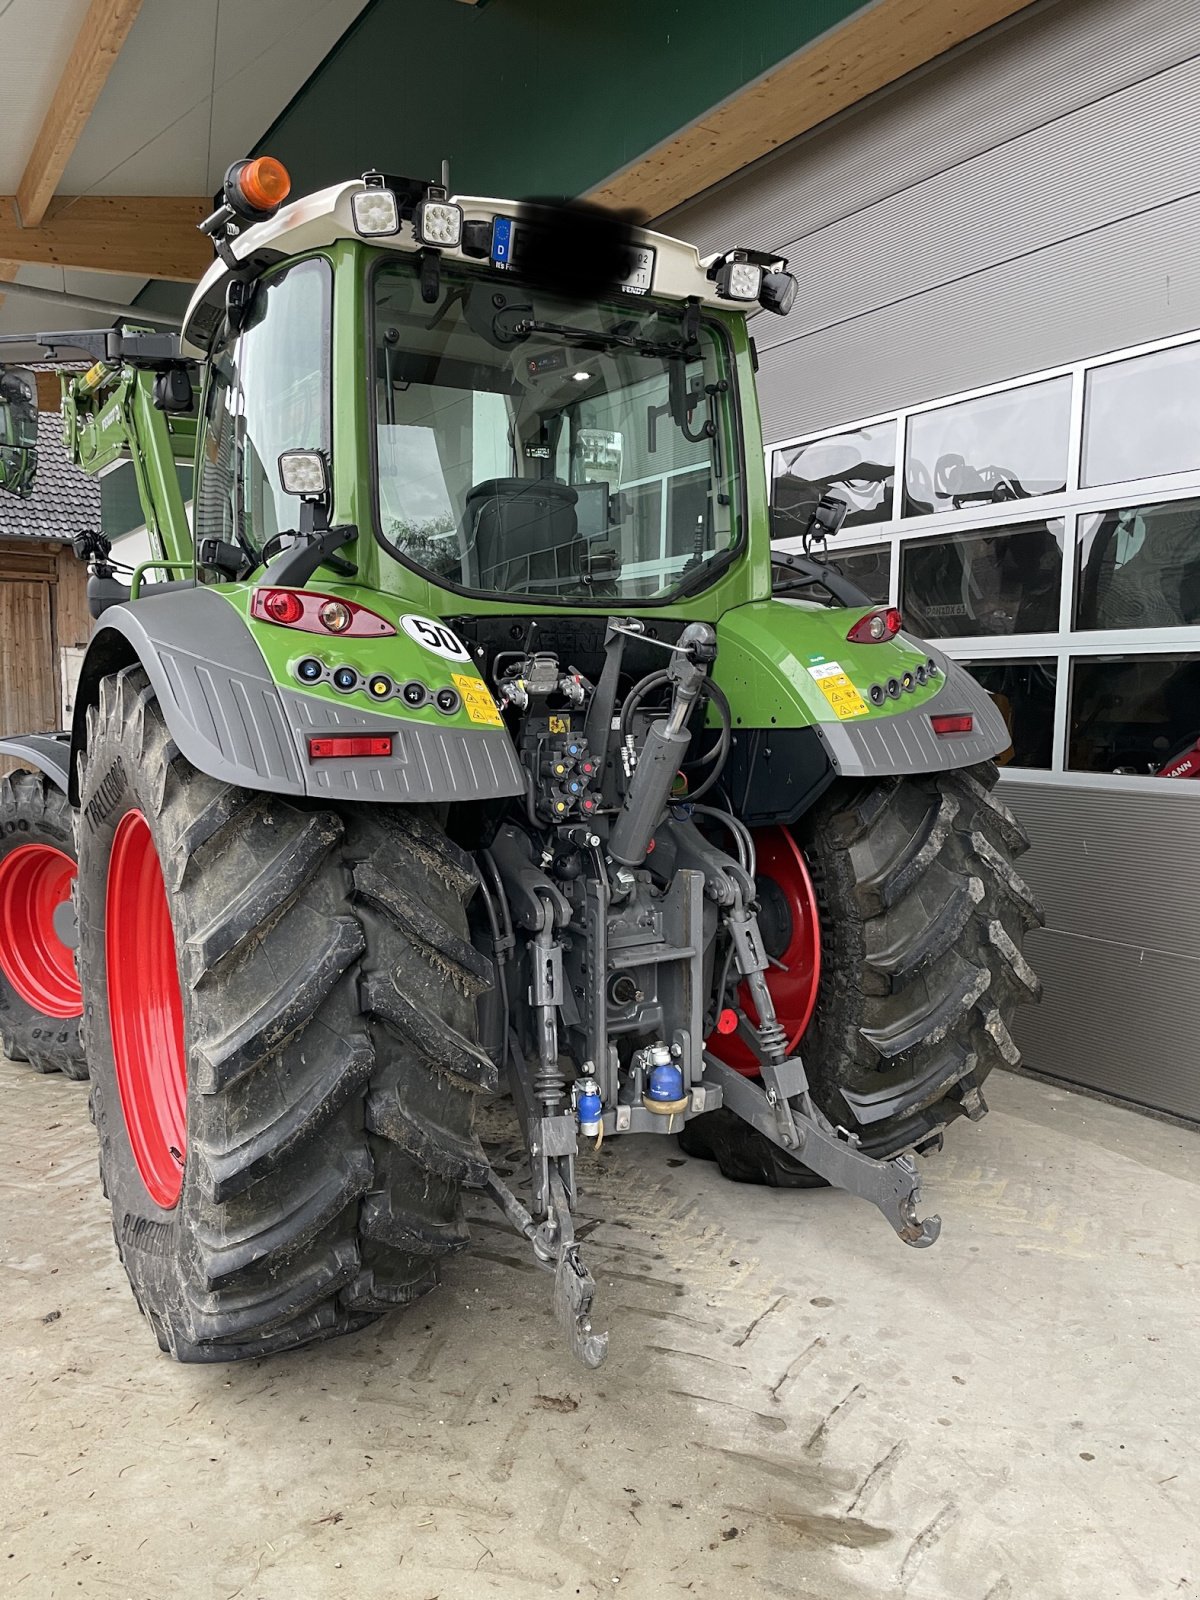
(791, 934)
(35, 911)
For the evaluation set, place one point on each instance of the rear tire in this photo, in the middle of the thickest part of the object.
(328, 1000)
(922, 916)
(35, 820)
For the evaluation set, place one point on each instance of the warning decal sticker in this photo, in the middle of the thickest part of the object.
(479, 705)
(839, 691)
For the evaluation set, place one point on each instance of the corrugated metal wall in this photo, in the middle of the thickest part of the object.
(1032, 199)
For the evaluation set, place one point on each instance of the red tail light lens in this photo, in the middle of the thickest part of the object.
(318, 613)
(379, 744)
(953, 724)
(282, 605)
(876, 627)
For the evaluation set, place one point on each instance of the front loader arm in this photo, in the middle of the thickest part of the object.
(109, 415)
(135, 403)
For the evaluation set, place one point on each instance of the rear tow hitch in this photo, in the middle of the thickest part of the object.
(557, 1250)
(892, 1185)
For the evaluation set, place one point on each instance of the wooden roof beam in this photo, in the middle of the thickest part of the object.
(146, 236)
(871, 49)
(97, 46)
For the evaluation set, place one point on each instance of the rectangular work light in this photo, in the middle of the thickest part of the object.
(376, 212)
(439, 223)
(739, 280)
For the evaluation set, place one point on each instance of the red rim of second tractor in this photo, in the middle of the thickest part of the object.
(794, 984)
(146, 1010)
(35, 879)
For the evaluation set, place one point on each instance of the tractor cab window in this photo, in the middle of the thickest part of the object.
(535, 446)
(268, 392)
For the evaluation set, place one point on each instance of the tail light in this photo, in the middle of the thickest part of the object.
(876, 627)
(326, 749)
(953, 723)
(318, 613)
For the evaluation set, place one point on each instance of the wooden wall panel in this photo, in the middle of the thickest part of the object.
(72, 620)
(28, 679)
(43, 611)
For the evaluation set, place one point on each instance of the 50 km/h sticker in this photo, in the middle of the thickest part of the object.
(838, 690)
(435, 636)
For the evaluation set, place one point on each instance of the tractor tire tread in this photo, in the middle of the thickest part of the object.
(328, 1137)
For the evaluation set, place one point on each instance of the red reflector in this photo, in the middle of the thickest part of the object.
(379, 744)
(282, 605)
(877, 627)
(953, 724)
(727, 1021)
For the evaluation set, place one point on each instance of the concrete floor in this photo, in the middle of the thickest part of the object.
(795, 1404)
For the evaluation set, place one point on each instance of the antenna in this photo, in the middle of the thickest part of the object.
(446, 175)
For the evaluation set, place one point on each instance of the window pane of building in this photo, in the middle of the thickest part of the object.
(1133, 714)
(871, 570)
(984, 452)
(999, 581)
(858, 466)
(1139, 567)
(1142, 417)
(1024, 696)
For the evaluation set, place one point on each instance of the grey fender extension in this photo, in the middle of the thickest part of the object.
(904, 743)
(230, 719)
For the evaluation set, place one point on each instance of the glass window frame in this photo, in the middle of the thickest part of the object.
(233, 344)
(1074, 505)
(736, 434)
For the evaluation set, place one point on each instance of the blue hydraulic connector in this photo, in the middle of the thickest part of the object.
(666, 1083)
(588, 1106)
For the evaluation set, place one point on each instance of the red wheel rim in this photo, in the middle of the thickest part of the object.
(145, 1009)
(789, 909)
(35, 880)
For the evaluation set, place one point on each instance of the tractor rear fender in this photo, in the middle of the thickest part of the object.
(779, 663)
(231, 719)
(45, 752)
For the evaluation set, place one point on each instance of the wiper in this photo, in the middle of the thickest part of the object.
(592, 339)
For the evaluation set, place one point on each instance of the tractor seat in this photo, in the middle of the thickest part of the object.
(524, 533)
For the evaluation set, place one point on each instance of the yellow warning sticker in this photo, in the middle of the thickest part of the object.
(480, 706)
(839, 691)
(560, 724)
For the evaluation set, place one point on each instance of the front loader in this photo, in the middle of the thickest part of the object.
(467, 727)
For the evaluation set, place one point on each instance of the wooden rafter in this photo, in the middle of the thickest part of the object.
(872, 49)
(96, 48)
(147, 236)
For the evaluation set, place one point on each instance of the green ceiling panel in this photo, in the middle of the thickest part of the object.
(528, 96)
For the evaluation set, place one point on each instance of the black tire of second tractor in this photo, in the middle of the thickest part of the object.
(922, 918)
(35, 811)
(329, 992)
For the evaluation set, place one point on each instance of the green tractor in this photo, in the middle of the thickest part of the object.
(473, 729)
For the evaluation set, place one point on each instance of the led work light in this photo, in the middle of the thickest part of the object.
(739, 280)
(302, 472)
(376, 213)
(438, 222)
